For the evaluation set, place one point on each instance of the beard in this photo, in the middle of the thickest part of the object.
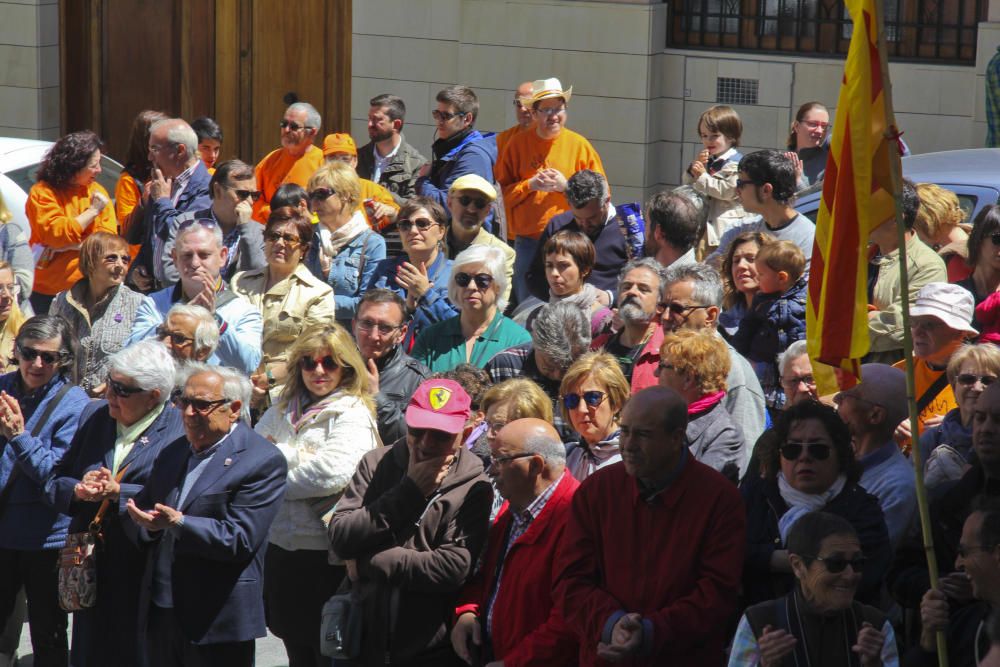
(377, 136)
(632, 313)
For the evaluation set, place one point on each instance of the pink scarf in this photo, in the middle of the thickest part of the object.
(705, 403)
(299, 416)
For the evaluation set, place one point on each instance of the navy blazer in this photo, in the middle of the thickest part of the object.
(218, 552)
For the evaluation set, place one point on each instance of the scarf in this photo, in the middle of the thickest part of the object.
(705, 403)
(584, 298)
(800, 503)
(333, 241)
(301, 412)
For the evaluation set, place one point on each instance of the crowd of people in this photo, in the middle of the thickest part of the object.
(468, 411)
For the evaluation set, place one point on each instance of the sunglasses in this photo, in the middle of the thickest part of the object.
(482, 280)
(680, 308)
(591, 398)
(791, 451)
(175, 337)
(293, 126)
(837, 564)
(321, 194)
(121, 389)
(329, 363)
(114, 259)
(253, 195)
(969, 379)
(199, 405)
(444, 115)
(479, 203)
(29, 354)
(423, 224)
(274, 237)
(207, 223)
(742, 183)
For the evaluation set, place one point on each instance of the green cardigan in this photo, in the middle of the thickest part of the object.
(441, 346)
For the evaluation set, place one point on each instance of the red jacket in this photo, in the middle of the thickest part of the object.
(644, 369)
(676, 560)
(527, 628)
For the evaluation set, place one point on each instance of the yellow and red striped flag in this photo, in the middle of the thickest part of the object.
(857, 196)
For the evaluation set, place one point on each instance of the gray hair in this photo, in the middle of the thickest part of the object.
(794, 351)
(706, 284)
(206, 333)
(648, 263)
(179, 133)
(148, 364)
(585, 186)
(561, 331)
(235, 385)
(313, 119)
(494, 260)
(552, 450)
(196, 225)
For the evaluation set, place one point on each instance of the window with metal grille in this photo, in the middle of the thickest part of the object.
(735, 91)
(916, 30)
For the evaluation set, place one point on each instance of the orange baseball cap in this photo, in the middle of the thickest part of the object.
(340, 142)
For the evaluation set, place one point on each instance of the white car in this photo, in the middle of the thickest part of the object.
(19, 160)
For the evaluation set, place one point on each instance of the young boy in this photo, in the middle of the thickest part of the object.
(713, 173)
(777, 316)
(209, 140)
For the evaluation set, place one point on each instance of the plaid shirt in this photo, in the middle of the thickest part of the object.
(518, 362)
(518, 526)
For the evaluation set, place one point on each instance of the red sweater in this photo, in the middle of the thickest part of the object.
(527, 628)
(677, 561)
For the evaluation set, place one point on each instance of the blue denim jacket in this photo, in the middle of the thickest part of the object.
(434, 306)
(349, 273)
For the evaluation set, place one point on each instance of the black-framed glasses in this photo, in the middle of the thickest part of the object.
(321, 194)
(328, 363)
(819, 451)
(253, 195)
(370, 325)
(29, 354)
(290, 239)
(422, 224)
(743, 182)
(591, 398)
(809, 381)
(680, 308)
(497, 461)
(995, 238)
(969, 379)
(113, 258)
(662, 366)
(121, 389)
(837, 564)
(482, 280)
(444, 115)
(479, 203)
(199, 405)
(292, 126)
(175, 337)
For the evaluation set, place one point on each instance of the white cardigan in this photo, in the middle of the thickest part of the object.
(322, 458)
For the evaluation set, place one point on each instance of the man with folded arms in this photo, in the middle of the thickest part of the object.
(506, 613)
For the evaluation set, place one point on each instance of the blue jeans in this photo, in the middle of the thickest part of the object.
(525, 249)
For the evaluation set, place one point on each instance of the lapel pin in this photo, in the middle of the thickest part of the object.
(227, 462)
(143, 440)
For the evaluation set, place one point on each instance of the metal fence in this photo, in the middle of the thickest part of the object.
(942, 31)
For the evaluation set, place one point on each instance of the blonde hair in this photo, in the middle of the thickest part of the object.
(783, 256)
(939, 211)
(342, 179)
(524, 398)
(700, 355)
(605, 370)
(986, 357)
(17, 316)
(5, 214)
(335, 339)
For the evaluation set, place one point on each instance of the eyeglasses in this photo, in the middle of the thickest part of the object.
(815, 124)
(423, 224)
(328, 362)
(591, 398)
(369, 325)
(29, 354)
(494, 427)
(321, 194)
(809, 381)
(254, 195)
(11, 290)
(199, 405)
(293, 126)
(497, 461)
(176, 338)
(550, 112)
(444, 115)
(680, 308)
(741, 183)
(660, 367)
(969, 379)
(791, 451)
(967, 550)
(121, 389)
(479, 203)
(207, 223)
(290, 239)
(927, 324)
(482, 280)
(837, 564)
(995, 238)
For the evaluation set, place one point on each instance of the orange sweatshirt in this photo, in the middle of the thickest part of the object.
(52, 214)
(372, 190)
(503, 138)
(278, 168)
(525, 154)
(127, 197)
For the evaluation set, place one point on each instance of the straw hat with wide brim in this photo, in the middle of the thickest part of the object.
(543, 89)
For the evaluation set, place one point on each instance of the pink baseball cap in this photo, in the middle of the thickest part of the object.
(441, 405)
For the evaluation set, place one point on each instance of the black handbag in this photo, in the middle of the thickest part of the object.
(340, 627)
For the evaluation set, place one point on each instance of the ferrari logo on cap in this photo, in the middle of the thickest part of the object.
(438, 397)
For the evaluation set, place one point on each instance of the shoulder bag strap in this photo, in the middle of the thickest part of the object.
(95, 524)
(932, 392)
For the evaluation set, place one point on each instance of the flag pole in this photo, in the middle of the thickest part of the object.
(892, 140)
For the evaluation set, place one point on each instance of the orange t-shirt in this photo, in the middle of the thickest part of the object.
(278, 168)
(52, 214)
(528, 211)
(923, 377)
(127, 197)
(372, 190)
